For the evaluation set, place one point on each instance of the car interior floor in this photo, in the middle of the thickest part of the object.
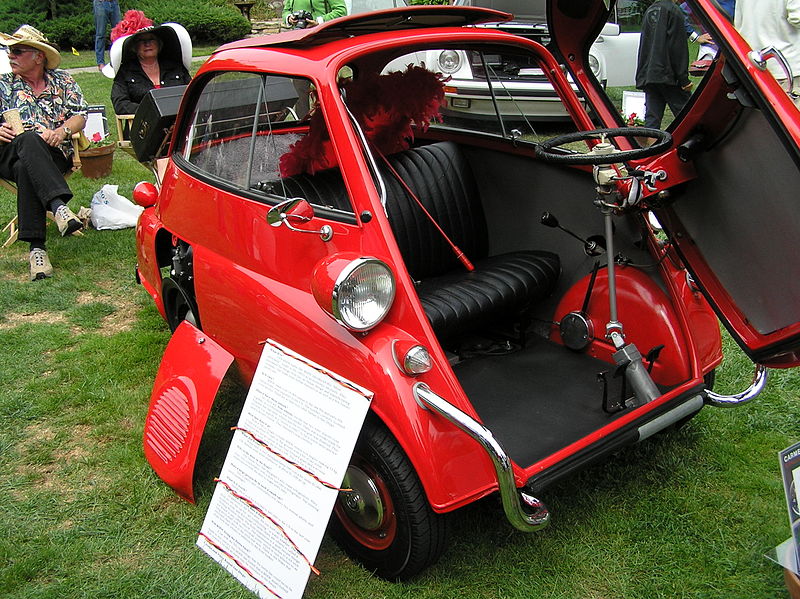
(539, 398)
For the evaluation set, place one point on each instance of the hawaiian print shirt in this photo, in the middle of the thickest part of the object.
(61, 99)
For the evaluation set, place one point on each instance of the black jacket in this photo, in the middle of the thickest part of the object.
(663, 49)
(131, 84)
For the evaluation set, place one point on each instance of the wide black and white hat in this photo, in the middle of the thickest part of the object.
(174, 39)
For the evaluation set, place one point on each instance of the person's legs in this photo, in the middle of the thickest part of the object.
(113, 13)
(676, 98)
(38, 170)
(654, 105)
(99, 8)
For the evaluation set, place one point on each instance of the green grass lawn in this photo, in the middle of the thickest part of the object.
(684, 515)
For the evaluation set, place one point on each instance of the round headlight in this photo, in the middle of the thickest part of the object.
(362, 294)
(594, 64)
(449, 61)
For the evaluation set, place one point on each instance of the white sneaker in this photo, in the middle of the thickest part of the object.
(40, 265)
(66, 221)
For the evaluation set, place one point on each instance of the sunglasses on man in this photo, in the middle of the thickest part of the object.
(14, 51)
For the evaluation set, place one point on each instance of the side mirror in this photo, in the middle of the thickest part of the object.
(610, 29)
(296, 210)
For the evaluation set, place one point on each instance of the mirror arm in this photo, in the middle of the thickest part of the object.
(279, 215)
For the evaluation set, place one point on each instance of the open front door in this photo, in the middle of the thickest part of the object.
(730, 201)
(737, 223)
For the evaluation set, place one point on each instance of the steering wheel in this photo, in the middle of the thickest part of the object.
(662, 143)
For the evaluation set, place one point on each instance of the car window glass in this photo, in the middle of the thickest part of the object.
(532, 10)
(502, 92)
(241, 125)
(355, 7)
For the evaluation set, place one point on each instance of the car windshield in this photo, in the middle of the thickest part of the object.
(355, 7)
(526, 10)
(497, 90)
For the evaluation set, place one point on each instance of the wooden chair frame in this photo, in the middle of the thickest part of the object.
(124, 123)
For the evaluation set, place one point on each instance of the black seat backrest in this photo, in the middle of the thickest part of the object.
(440, 177)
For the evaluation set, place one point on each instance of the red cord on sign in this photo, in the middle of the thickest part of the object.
(287, 460)
(238, 563)
(261, 512)
(329, 374)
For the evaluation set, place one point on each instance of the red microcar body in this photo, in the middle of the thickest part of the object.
(521, 302)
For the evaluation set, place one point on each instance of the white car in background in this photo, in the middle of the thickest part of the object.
(519, 90)
(355, 7)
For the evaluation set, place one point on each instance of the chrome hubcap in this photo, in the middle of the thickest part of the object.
(363, 503)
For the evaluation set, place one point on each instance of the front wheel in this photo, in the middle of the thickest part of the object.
(385, 522)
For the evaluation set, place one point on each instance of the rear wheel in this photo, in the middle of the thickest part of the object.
(385, 522)
(178, 305)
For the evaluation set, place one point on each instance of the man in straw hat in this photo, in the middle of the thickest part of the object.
(36, 155)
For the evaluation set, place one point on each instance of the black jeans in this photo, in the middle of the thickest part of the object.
(657, 97)
(38, 170)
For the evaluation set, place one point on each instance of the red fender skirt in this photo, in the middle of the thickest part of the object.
(190, 374)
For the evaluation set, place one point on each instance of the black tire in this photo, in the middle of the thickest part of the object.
(178, 305)
(386, 524)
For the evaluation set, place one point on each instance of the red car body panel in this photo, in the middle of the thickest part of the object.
(241, 271)
(183, 393)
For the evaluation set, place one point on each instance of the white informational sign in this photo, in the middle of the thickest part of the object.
(633, 103)
(277, 487)
(96, 122)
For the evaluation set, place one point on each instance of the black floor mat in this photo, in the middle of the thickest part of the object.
(539, 399)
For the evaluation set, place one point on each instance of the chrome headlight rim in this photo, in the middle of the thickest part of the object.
(344, 276)
(449, 70)
(594, 66)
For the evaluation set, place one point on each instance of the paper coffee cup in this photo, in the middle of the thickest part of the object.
(11, 116)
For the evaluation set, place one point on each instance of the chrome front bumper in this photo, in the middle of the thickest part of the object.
(525, 512)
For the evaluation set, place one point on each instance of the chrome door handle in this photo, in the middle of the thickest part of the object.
(759, 59)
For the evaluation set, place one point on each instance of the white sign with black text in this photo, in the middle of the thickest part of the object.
(277, 487)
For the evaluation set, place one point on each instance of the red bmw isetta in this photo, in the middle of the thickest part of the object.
(507, 297)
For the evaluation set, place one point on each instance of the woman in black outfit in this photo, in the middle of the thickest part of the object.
(152, 57)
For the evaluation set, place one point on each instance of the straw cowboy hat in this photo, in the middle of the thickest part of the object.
(30, 36)
(174, 41)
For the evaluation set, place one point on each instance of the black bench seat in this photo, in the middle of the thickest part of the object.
(498, 286)
(455, 300)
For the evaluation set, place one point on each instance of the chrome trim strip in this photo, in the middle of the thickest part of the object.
(531, 517)
(690, 406)
(755, 388)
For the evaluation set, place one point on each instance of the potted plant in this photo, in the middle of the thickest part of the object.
(97, 156)
(634, 120)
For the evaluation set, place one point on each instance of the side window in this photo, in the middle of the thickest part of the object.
(249, 129)
(226, 136)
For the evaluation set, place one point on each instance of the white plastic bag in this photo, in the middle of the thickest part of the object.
(113, 211)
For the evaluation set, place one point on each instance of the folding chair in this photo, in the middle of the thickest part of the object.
(124, 122)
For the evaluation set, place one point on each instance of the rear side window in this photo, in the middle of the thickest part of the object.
(246, 131)
(241, 125)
